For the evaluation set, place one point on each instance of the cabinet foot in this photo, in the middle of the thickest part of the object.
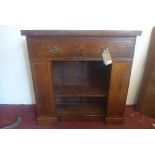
(115, 120)
(47, 120)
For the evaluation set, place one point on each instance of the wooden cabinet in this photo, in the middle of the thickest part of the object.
(146, 101)
(70, 79)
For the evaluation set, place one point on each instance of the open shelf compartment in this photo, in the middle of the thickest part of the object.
(80, 87)
(80, 78)
(80, 106)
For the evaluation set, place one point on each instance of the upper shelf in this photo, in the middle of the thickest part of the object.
(67, 33)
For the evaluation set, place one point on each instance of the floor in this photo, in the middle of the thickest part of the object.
(8, 114)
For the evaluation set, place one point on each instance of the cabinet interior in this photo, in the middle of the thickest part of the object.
(80, 87)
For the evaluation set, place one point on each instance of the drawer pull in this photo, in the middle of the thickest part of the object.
(55, 50)
(106, 56)
(106, 49)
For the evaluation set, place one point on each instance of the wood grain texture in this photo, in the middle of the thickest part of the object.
(89, 33)
(84, 109)
(80, 78)
(80, 91)
(80, 47)
(146, 100)
(73, 84)
(43, 85)
(119, 81)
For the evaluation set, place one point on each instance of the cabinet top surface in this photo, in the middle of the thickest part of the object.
(100, 33)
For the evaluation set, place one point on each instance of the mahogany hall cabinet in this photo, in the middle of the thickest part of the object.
(70, 79)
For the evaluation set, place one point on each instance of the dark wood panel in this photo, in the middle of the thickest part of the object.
(43, 88)
(78, 59)
(80, 109)
(119, 81)
(146, 100)
(74, 73)
(82, 118)
(99, 33)
(80, 91)
(80, 47)
(47, 120)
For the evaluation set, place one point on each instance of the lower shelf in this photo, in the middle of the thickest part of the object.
(82, 109)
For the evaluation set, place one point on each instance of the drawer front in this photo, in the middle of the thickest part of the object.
(79, 47)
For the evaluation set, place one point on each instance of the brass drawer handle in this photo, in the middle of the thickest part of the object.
(106, 49)
(55, 50)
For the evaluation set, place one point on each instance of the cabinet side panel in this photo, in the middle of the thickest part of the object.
(43, 85)
(146, 99)
(120, 76)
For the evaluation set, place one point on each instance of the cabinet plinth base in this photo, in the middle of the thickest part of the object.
(115, 120)
(44, 120)
(82, 118)
(68, 118)
(47, 120)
